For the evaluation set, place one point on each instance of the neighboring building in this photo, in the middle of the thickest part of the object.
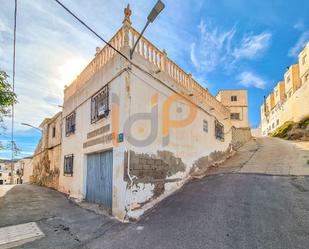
(9, 175)
(46, 158)
(237, 103)
(291, 80)
(5, 177)
(290, 99)
(303, 59)
(26, 169)
(133, 131)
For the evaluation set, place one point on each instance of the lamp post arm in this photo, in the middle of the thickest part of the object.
(137, 41)
(32, 127)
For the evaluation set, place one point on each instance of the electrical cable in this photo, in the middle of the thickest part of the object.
(90, 29)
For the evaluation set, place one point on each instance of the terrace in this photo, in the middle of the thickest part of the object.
(125, 38)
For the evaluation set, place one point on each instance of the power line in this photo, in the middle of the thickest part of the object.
(13, 89)
(91, 30)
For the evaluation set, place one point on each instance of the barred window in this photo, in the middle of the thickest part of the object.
(70, 122)
(219, 130)
(68, 165)
(235, 116)
(99, 105)
(205, 125)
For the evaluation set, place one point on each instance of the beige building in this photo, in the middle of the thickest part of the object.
(291, 80)
(236, 102)
(46, 158)
(5, 177)
(290, 99)
(26, 168)
(303, 59)
(10, 174)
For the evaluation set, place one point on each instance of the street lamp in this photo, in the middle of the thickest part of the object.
(32, 126)
(150, 19)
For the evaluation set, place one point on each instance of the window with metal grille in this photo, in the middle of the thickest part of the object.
(235, 116)
(205, 125)
(99, 105)
(233, 98)
(70, 121)
(219, 130)
(68, 165)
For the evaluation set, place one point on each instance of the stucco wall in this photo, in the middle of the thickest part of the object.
(46, 158)
(159, 168)
(80, 102)
(137, 92)
(240, 136)
(26, 166)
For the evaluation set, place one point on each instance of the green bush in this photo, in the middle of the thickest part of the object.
(303, 123)
(283, 129)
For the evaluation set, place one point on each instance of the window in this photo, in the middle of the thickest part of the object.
(99, 105)
(54, 132)
(205, 125)
(233, 98)
(304, 59)
(219, 130)
(273, 125)
(68, 165)
(235, 116)
(290, 94)
(277, 122)
(70, 124)
(10, 174)
(0, 174)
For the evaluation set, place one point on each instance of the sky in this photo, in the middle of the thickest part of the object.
(224, 44)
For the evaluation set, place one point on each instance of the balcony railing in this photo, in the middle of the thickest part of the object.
(101, 58)
(158, 58)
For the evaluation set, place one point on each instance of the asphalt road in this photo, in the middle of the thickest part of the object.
(224, 211)
(232, 208)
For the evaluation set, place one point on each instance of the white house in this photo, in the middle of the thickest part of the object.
(135, 130)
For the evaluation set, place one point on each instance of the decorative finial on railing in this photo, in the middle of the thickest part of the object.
(127, 14)
(97, 50)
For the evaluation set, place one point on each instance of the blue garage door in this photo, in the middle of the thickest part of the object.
(99, 178)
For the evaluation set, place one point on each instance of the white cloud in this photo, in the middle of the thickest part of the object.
(212, 47)
(300, 25)
(249, 79)
(299, 45)
(219, 47)
(252, 45)
(192, 55)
